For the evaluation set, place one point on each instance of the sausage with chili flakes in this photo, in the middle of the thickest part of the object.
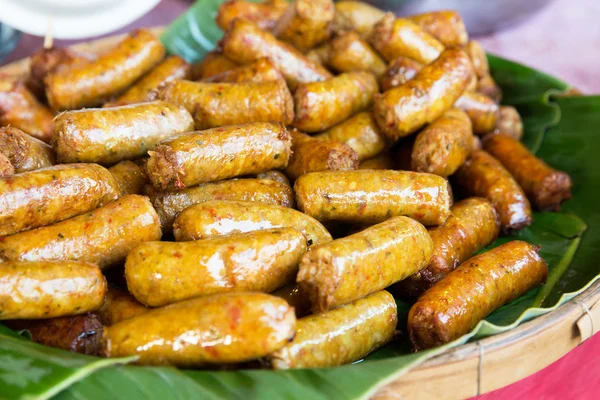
(473, 225)
(456, 304)
(103, 236)
(398, 72)
(224, 217)
(212, 64)
(446, 26)
(484, 176)
(119, 306)
(348, 52)
(25, 152)
(245, 42)
(546, 187)
(321, 105)
(49, 195)
(340, 336)
(47, 289)
(295, 297)
(355, 266)
(262, 70)
(369, 196)
(482, 110)
(356, 16)
(264, 14)
(130, 177)
(253, 325)
(509, 122)
(305, 23)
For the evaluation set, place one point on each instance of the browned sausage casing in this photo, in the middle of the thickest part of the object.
(444, 145)
(213, 63)
(382, 161)
(245, 42)
(310, 154)
(305, 23)
(482, 175)
(170, 204)
(92, 83)
(482, 110)
(398, 72)
(25, 152)
(220, 104)
(219, 153)
(348, 52)
(6, 168)
(509, 122)
(356, 16)
(224, 217)
(119, 306)
(369, 196)
(130, 177)
(247, 326)
(340, 336)
(172, 68)
(546, 187)
(446, 26)
(264, 14)
(321, 105)
(160, 273)
(456, 304)
(103, 236)
(472, 226)
(45, 196)
(79, 333)
(295, 297)
(47, 289)
(262, 70)
(404, 109)
(352, 267)
(109, 135)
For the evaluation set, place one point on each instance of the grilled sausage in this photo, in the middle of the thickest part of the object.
(212, 64)
(444, 145)
(404, 109)
(398, 72)
(103, 236)
(382, 161)
(509, 122)
(246, 326)
(482, 110)
(91, 84)
(219, 153)
(220, 104)
(295, 297)
(119, 306)
(321, 105)
(340, 336)
(261, 70)
(274, 175)
(367, 196)
(25, 152)
(482, 175)
(446, 26)
(222, 217)
(348, 52)
(47, 289)
(172, 68)
(352, 267)
(312, 155)
(245, 42)
(130, 177)
(264, 14)
(356, 16)
(472, 226)
(456, 304)
(305, 23)
(45, 196)
(109, 135)
(545, 187)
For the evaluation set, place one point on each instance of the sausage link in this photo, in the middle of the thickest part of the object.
(261, 70)
(295, 297)
(361, 133)
(446, 26)
(47, 289)
(482, 110)
(473, 225)
(264, 14)
(367, 196)
(482, 175)
(130, 177)
(6, 168)
(321, 105)
(478, 57)
(109, 135)
(245, 42)
(398, 72)
(310, 154)
(259, 261)
(119, 306)
(172, 68)
(103, 236)
(212, 64)
(224, 217)
(488, 87)
(404, 109)
(456, 304)
(348, 52)
(444, 145)
(220, 104)
(25, 152)
(49, 195)
(340, 336)
(382, 161)
(356, 16)
(274, 175)
(355, 266)
(305, 23)
(219, 153)
(545, 187)
(79, 334)
(20, 109)
(169, 204)
(509, 122)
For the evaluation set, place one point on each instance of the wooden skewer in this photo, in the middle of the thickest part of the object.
(48, 39)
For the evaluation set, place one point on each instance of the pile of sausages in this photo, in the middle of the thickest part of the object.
(374, 119)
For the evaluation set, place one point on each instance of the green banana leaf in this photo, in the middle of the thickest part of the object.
(560, 129)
